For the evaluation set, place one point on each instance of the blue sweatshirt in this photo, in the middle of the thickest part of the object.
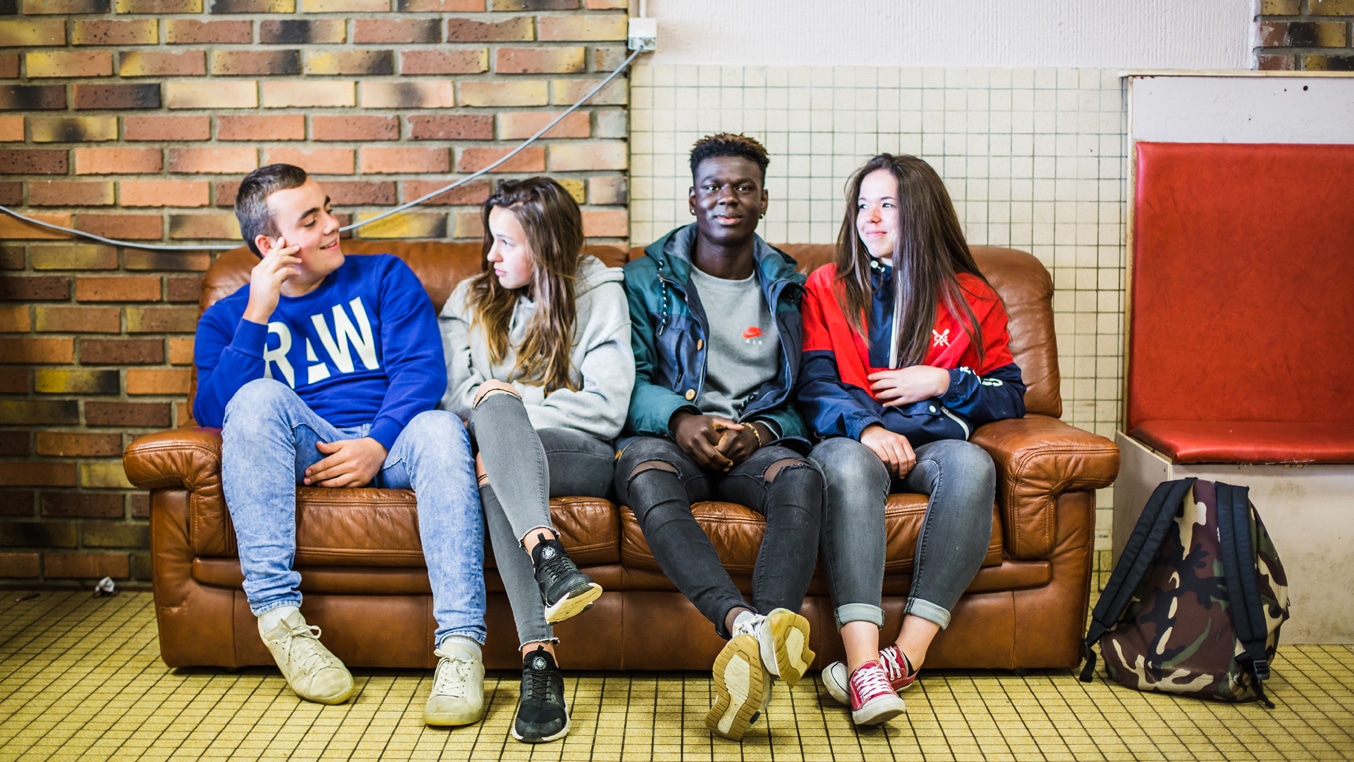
(362, 348)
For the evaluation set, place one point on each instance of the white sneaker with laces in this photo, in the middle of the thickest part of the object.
(783, 637)
(457, 696)
(311, 670)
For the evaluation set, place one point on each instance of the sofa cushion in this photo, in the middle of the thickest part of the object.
(1248, 441)
(736, 532)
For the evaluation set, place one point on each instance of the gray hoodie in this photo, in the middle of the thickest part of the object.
(602, 363)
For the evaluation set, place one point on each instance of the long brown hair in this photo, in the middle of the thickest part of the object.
(929, 252)
(554, 230)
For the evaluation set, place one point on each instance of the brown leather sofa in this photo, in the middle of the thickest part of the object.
(365, 584)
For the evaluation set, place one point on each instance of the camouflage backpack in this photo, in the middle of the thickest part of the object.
(1195, 602)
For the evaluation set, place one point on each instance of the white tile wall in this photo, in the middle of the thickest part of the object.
(1033, 158)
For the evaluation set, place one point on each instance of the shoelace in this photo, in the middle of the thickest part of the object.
(452, 678)
(869, 683)
(553, 570)
(895, 664)
(305, 651)
(537, 685)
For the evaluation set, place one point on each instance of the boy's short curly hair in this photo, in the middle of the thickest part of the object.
(729, 144)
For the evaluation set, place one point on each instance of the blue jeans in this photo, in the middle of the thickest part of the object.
(961, 481)
(790, 500)
(268, 428)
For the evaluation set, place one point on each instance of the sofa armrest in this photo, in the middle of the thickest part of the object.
(1038, 458)
(186, 458)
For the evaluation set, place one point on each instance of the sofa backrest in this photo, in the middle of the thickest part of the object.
(1022, 282)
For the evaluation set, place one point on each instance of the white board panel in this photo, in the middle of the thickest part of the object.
(1277, 108)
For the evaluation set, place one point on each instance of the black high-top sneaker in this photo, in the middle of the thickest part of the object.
(542, 714)
(565, 590)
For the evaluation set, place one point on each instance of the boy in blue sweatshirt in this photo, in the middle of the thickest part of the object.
(325, 371)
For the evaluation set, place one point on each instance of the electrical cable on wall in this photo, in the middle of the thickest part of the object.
(422, 199)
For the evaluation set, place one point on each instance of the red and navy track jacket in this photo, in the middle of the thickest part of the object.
(834, 390)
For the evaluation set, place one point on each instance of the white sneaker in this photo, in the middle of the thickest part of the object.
(457, 696)
(783, 637)
(311, 670)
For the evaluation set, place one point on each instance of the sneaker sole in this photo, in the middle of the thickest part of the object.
(573, 604)
(790, 632)
(330, 700)
(451, 720)
(879, 711)
(739, 687)
(544, 739)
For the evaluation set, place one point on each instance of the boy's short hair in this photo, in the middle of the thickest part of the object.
(251, 202)
(729, 144)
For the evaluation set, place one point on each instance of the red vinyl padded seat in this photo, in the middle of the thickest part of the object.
(1248, 441)
(1241, 327)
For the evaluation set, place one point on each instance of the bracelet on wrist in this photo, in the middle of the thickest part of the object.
(756, 433)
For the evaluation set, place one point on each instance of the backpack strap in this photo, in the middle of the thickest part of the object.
(1156, 519)
(1238, 566)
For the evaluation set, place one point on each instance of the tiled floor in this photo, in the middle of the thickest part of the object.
(81, 678)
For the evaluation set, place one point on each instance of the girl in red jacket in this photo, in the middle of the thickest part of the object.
(905, 353)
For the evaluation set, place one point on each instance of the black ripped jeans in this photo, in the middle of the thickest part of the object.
(791, 501)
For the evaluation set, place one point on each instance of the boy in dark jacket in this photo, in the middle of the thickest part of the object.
(712, 418)
(324, 371)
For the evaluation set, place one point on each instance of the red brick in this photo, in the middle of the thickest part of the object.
(309, 31)
(38, 351)
(220, 226)
(608, 58)
(120, 97)
(517, 125)
(453, 61)
(354, 128)
(37, 474)
(164, 381)
(69, 63)
(318, 161)
(183, 414)
(19, 565)
(121, 351)
(11, 129)
(85, 565)
(18, 320)
(140, 505)
(608, 190)
(146, 415)
(384, 31)
(115, 32)
(178, 193)
(84, 505)
(192, 32)
(9, 65)
(468, 225)
(161, 319)
(255, 128)
(185, 288)
(13, 227)
(160, 6)
(360, 192)
(14, 381)
(74, 256)
(59, 319)
(225, 191)
(516, 29)
(415, 6)
(556, 60)
(1276, 63)
(40, 412)
(606, 223)
(70, 192)
(263, 6)
(532, 159)
(42, 162)
(34, 288)
(535, 5)
(76, 445)
(167, 128)
(402, 160)
(566, 92)
(15, 443)
(115, 161)
(114, 534)
(32, 97)
(213, 160)
(181, 350)
(31, 33)
(154, 63)
(472, 193)
(254, 62)
(12, 191)
(178, 261)
(138, 227)
(452, 127)
(117, 288)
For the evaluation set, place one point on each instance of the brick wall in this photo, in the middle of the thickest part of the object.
(1305, 35)
(135, 119)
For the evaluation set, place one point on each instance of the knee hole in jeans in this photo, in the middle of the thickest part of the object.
(652, 465)
(490, 388)
(773, 470)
